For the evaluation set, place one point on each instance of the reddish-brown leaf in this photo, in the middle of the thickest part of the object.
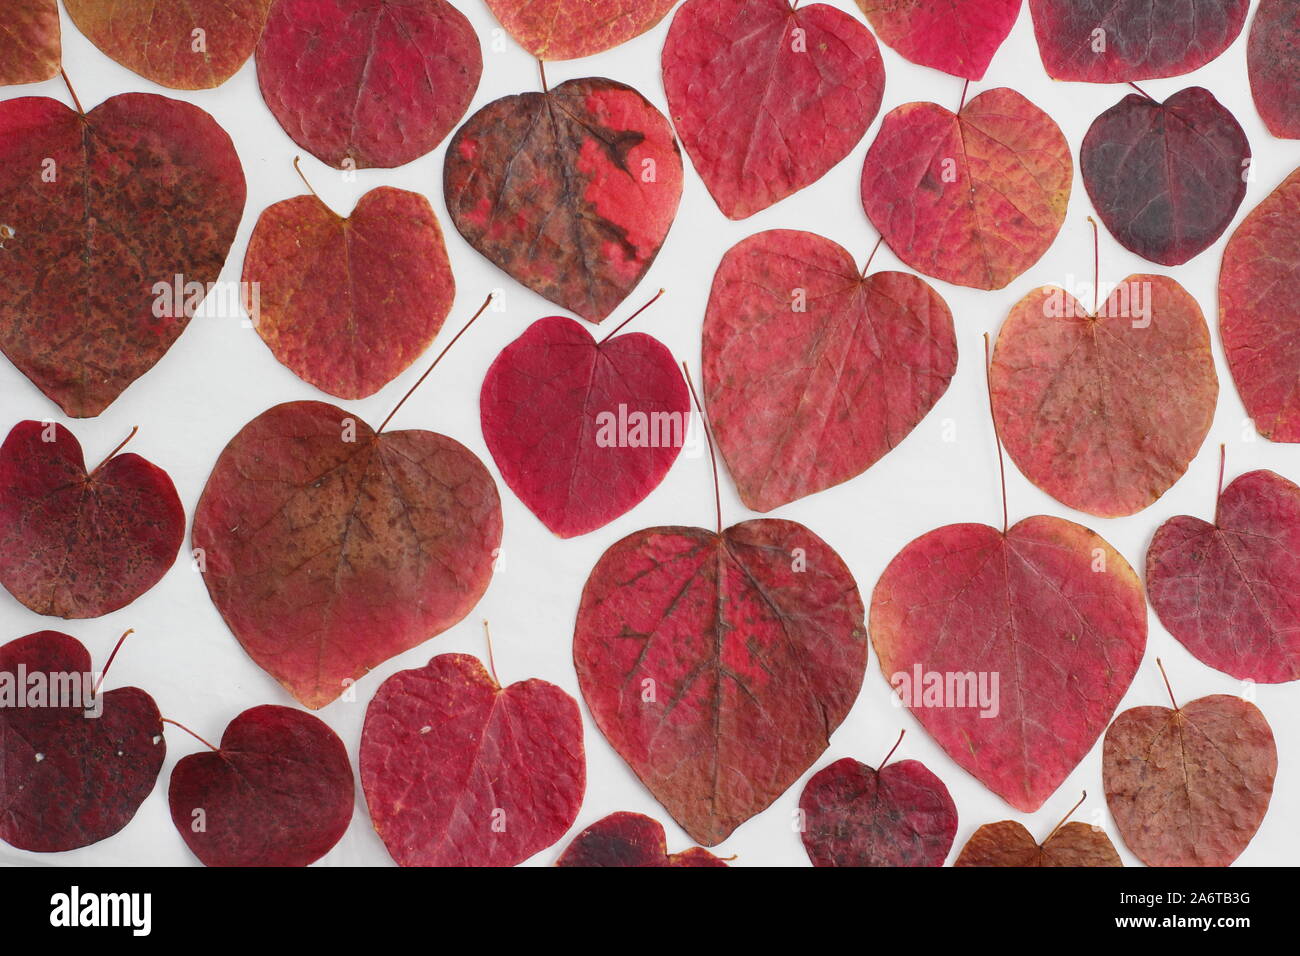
(1009, 844)
(571, 192)
(1105, 412)
(630, 839)
(1189, 787)
(974, 198)
(956, 36)
(97, 211)
(458, 771)
(30, 49)
(768, 98)
(569, 29)
(368, 83)
(329, 548)
(719, 665)
(1048, 609)
(1273, 60)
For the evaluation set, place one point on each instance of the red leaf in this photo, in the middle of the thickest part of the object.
(569, 29)
(74, 544)
(460, 772)
(1105, 412)
(29, 43)
(718, 665)
(1230, 591)
(955, 36)
(194, 45)
(766, 98)
(1009, 844)
(329, 552)
(102, 211)
(571, 192)
(813, 372)
(1273, 59)
(974, 198)
(1261, 334)
(900, 815)
(368, 83)
(348, 304)
(70, 779)
(277, 793)
(1120, 41)
(555, 407)
(1166, 178)
(1049, 607)
(630, 839)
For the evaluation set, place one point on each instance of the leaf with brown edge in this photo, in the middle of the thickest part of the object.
(571, 192)
(145, 189)
(719, 665)
(813, 371)
(30, 48)
(974, 198)
(1190, 786)
(1009, 844)
(1105, 412)
(569, 29)
(1273, 61)
(195, 45)
(348, 304)
(630, 839)
(956, 36)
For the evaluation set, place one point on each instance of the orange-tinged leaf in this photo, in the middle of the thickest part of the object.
(569, 29)
(1009, 844)
(29, 42)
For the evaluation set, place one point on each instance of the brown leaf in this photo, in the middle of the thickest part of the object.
(29, 42)
(1009, 844)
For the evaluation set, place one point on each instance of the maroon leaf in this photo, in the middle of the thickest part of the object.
(29, 42)
(1273, 59)
(956, 36)
(630, 839)
(569, 29)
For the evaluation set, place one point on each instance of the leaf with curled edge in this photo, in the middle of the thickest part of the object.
(974, 198)
(630, 839)
(956, 36)
(1009, 844)
(30, 47)
(569, 29)
(719, 665)
(1273, 62)
(767, 97)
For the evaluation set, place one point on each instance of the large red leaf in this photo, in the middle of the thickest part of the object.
(1009, 844)
(572, 192)
(813, 371)
(1105, 412)
(974, 198)
(1048, 608)
(1119, 41)
(76, 544)
(630, 839)
(69, 779)
(459, 771)
(1166, 178)
(330, 548)
(368, 83)
(581, 430)
(1230, 591)
(194, 45)
(348, 304)
(1273, 60)
(29, 42)
(278, 792)
(568, 29)
(100, 209)
(767, 98)
(1190, 786)
(956, 36)
(1261, 332)
(719, 665)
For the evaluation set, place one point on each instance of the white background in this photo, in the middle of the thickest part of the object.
(219, 375)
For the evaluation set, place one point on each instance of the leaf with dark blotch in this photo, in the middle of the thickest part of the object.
(368, 83)
(571, 192)
(1166, 178)
(98, 215)
(30, 48)
(719, 665)
(630, 839)
(766, 97)
(955, 36)
(813, 371)
(569, 29)
(1273, 60)
(1009, 844)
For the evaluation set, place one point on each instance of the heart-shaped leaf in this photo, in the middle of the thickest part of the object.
(719, 665)
(1105, 412)
(569, 29)
(1166, 178)
(955, 36)
(1009, 844)
(766, 97)
(459, 771)
(75, 544)
(278, 792)
(30, 49)
(1273, 60)
(101, 211)
(974, 198)
(630, 839)
(368, 83)
(572, 192)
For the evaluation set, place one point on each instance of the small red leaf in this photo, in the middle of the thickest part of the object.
(630, 839)
(1009, 844)
(1273, 59)
(30, 49)
(955, 36)
(569, 29)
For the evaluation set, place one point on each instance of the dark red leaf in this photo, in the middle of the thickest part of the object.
(956, 36)
(277, 793)
(1273, 59)
(1009, 844)
(1166, 178)
(29, 42)
(368, 83)
(100, 209)
(569, 29)
(719, 665)
(571, 192)
(766, 98)
(460, 772)
(630, 839)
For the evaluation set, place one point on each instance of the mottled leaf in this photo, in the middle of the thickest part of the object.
(29, 42)
(1273, 61)
(630, 839)
(955, 36)
(1009, 844)
(569, 29)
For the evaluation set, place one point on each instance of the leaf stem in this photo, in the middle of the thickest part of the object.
(874, 250)
(997, 436)
(113, 453)
(964, 90)
(176, 723)
(619, 328)
(1096, 266)
(1223, 462)
(297, 166)
(492, 663)
(1143, 92)
(891, 750)
(541, 68)
(1065, 818)
(1173, 700)
(68, 83)
(111, 657)
(708, 434)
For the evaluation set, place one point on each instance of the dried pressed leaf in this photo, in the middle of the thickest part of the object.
(956, 36)
(569, 29)
(1273, 60)
(630, 839)
(30, 48)
(1009, 844)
